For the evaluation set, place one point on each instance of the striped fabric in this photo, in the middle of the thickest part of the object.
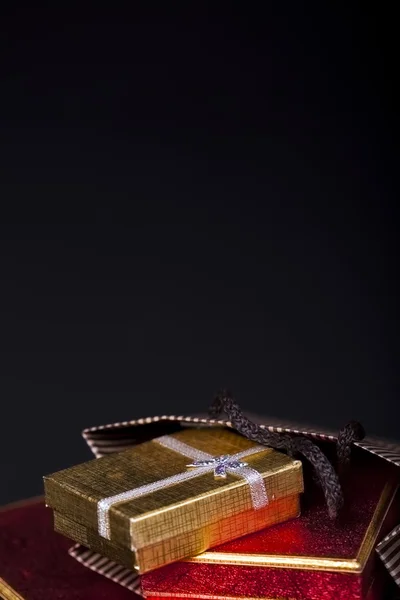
(106, 567)
(389, 551)
(116, 437)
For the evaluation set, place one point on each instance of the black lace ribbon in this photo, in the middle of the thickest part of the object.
(326, 474)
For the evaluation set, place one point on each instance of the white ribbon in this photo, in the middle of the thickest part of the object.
(203, 463)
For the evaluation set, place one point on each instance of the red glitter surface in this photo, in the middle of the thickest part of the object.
(202, 580)
(35, 562)
(312, 535)
(377, 591)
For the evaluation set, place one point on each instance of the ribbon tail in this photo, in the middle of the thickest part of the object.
(256, 483)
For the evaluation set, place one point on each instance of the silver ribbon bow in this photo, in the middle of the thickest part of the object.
(203, 462)
(220, 464)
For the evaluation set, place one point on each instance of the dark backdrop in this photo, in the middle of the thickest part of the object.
(190, 200)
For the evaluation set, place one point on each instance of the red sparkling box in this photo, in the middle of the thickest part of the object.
(310, 558)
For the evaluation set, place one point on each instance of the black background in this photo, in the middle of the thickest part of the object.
(192, 198)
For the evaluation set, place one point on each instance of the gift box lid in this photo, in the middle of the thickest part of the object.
(165, 511)
(299, 557)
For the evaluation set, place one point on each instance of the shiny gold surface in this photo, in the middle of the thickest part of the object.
(287, 562)
(190, 544)
(355, 565)
(90, 539)
(175, 510)
(7, 593)
(383, 507)
(181, 520)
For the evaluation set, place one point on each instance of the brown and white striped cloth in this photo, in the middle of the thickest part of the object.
(116, 437)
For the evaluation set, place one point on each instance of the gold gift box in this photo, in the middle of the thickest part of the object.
(178, 521)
